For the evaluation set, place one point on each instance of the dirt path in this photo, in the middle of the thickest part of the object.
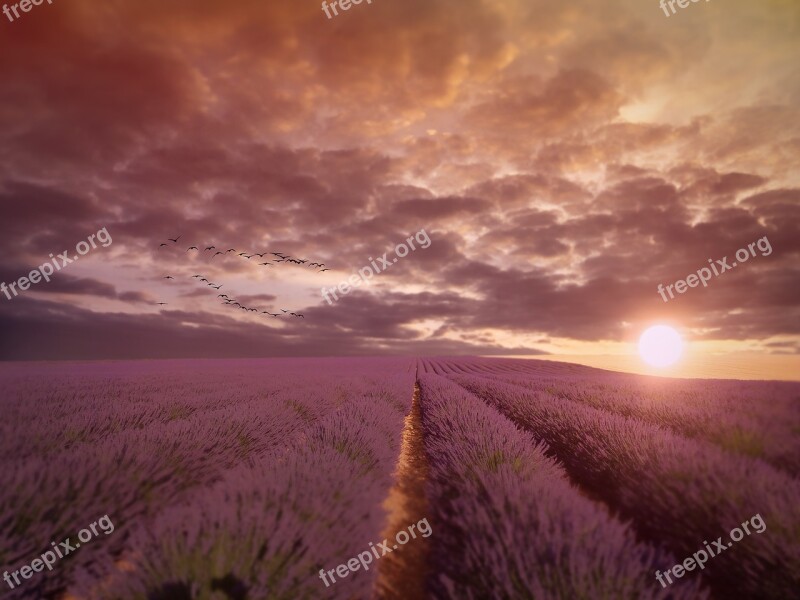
(403, 573)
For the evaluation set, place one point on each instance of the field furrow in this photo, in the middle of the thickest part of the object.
(270, 526)
(676, 490)
(507, 523)
(740, 422)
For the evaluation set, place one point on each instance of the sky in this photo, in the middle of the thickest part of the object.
(564, 159)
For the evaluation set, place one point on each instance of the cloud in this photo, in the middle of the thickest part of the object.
(563, 162)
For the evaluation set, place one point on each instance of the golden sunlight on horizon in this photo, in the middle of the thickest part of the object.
(738, 365)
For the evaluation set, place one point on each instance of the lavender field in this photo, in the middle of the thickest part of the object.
(243, 479)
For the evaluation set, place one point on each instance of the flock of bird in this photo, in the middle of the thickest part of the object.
(280, 257)
(228, 301)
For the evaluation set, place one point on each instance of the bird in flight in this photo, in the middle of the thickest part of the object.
(176, 239)
(242, 253)
(169, 277)
(191, 248)
(196, 276)
(163, 245)
(284, 310)
(273, 314)
(230, 250)
(216, 287)
(323, 270)
(266, 264)
(212, 258)
(162, 303)
(204, 279)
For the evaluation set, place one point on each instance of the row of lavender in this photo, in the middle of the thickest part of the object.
(676, 490)
(267, 528)
(168, 432)
(506, 366)
(509, 525)
(72, 405)
(757, 419)
(131, 474)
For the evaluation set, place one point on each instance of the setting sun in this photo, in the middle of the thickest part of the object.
(660, 346)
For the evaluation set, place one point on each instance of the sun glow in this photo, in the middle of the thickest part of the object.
(660, 346)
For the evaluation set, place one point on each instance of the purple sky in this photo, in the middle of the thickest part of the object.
(564, 158)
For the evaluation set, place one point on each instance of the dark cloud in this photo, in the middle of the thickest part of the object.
(562, 164)
(63, 283)
(47, 331)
